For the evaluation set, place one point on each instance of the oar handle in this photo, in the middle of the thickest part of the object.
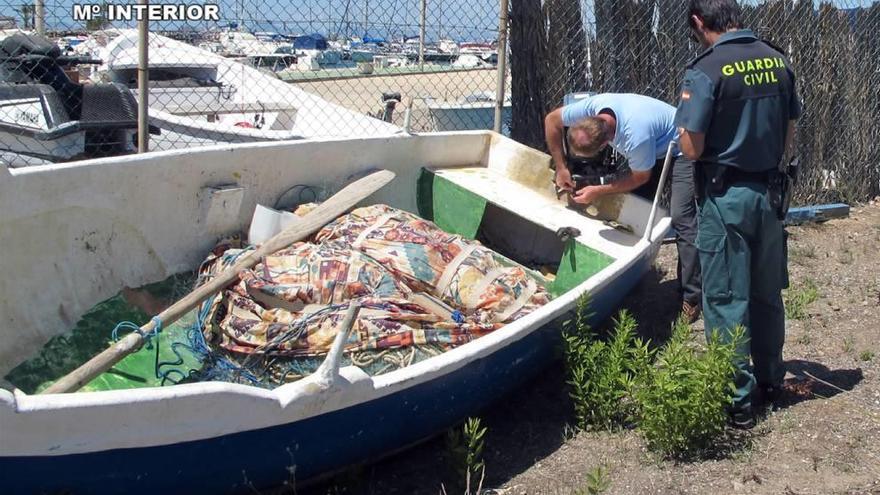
(323, 214)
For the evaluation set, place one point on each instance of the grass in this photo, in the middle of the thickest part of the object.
(849, 344)
(597, 482)
(800, 252)
(798, 298)
(866, 355)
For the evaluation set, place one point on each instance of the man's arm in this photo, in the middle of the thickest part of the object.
(554, 133)
(789, 138)
(694, 114)
(641, 161)
(588, 194)
(691, 143)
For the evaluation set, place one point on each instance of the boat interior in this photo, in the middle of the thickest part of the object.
(489, 189)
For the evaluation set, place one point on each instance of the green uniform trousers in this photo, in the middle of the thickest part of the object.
(743, 255)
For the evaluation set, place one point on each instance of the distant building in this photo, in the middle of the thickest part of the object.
(7, 22)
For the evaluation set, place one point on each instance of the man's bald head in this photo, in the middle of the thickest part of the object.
(588, 137)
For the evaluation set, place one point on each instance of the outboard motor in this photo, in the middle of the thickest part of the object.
(390, 100)
(46, 115)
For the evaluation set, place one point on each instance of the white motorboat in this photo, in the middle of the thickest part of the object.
(198, 97)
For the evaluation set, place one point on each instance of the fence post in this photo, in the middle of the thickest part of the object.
(143, 82)
(422, 35)
(502, 66)
(40, 17)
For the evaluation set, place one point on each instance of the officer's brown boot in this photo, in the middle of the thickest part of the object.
(690, 311)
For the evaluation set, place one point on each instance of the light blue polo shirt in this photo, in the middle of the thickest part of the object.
(645, 126)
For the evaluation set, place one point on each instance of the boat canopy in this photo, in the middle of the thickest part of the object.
(312, 41)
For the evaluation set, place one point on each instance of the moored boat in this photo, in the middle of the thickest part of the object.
(74, 235)
(198, 97)
(475, 111)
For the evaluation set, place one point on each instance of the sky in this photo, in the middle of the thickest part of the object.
(461, 20)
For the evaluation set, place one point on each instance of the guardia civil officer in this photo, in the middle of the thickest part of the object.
(736, 120)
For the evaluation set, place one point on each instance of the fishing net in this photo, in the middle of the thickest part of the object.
(421, 291)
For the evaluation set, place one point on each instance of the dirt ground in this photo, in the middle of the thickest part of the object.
(824, 440)
(363, 95)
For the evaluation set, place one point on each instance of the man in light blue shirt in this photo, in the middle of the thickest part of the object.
(639, 128)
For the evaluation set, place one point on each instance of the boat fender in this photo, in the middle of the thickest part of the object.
(566, 234)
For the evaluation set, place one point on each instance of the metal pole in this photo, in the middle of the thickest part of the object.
(40, 17)
(663, 174)
(502, 66)
(143, 83)
(422, 36)
(366, 16)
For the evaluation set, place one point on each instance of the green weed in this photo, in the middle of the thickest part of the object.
(465, 447)
(866, 355)
(597, 482)
(682, 402)
(601, 373)
(676, 396)
(797, 253)
(849, 344)
(798, 298)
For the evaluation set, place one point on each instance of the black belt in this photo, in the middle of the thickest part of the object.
(733, 175)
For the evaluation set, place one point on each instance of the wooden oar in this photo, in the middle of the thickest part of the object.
(323, 214)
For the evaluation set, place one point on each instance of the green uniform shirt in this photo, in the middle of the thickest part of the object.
(741, 94)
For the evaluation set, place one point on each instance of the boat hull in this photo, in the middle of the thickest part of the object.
(315, 447)
(129, 221)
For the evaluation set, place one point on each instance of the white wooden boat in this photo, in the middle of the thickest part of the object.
(198, 97)
(75, 234)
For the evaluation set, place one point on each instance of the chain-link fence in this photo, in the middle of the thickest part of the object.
(642, 46)
(264, 70)
(256, 70)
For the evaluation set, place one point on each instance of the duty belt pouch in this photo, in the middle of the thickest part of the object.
(714, 180)
(781, 186)
(776, 186)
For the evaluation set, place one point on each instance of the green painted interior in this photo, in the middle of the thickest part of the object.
(460, 211)
(452, 207)
(92, 334)
(578, 263)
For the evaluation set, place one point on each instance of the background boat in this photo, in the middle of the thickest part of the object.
(475, 111)
(198, 97)
(46, 117)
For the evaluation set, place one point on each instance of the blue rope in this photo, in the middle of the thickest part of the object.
(124, 325)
